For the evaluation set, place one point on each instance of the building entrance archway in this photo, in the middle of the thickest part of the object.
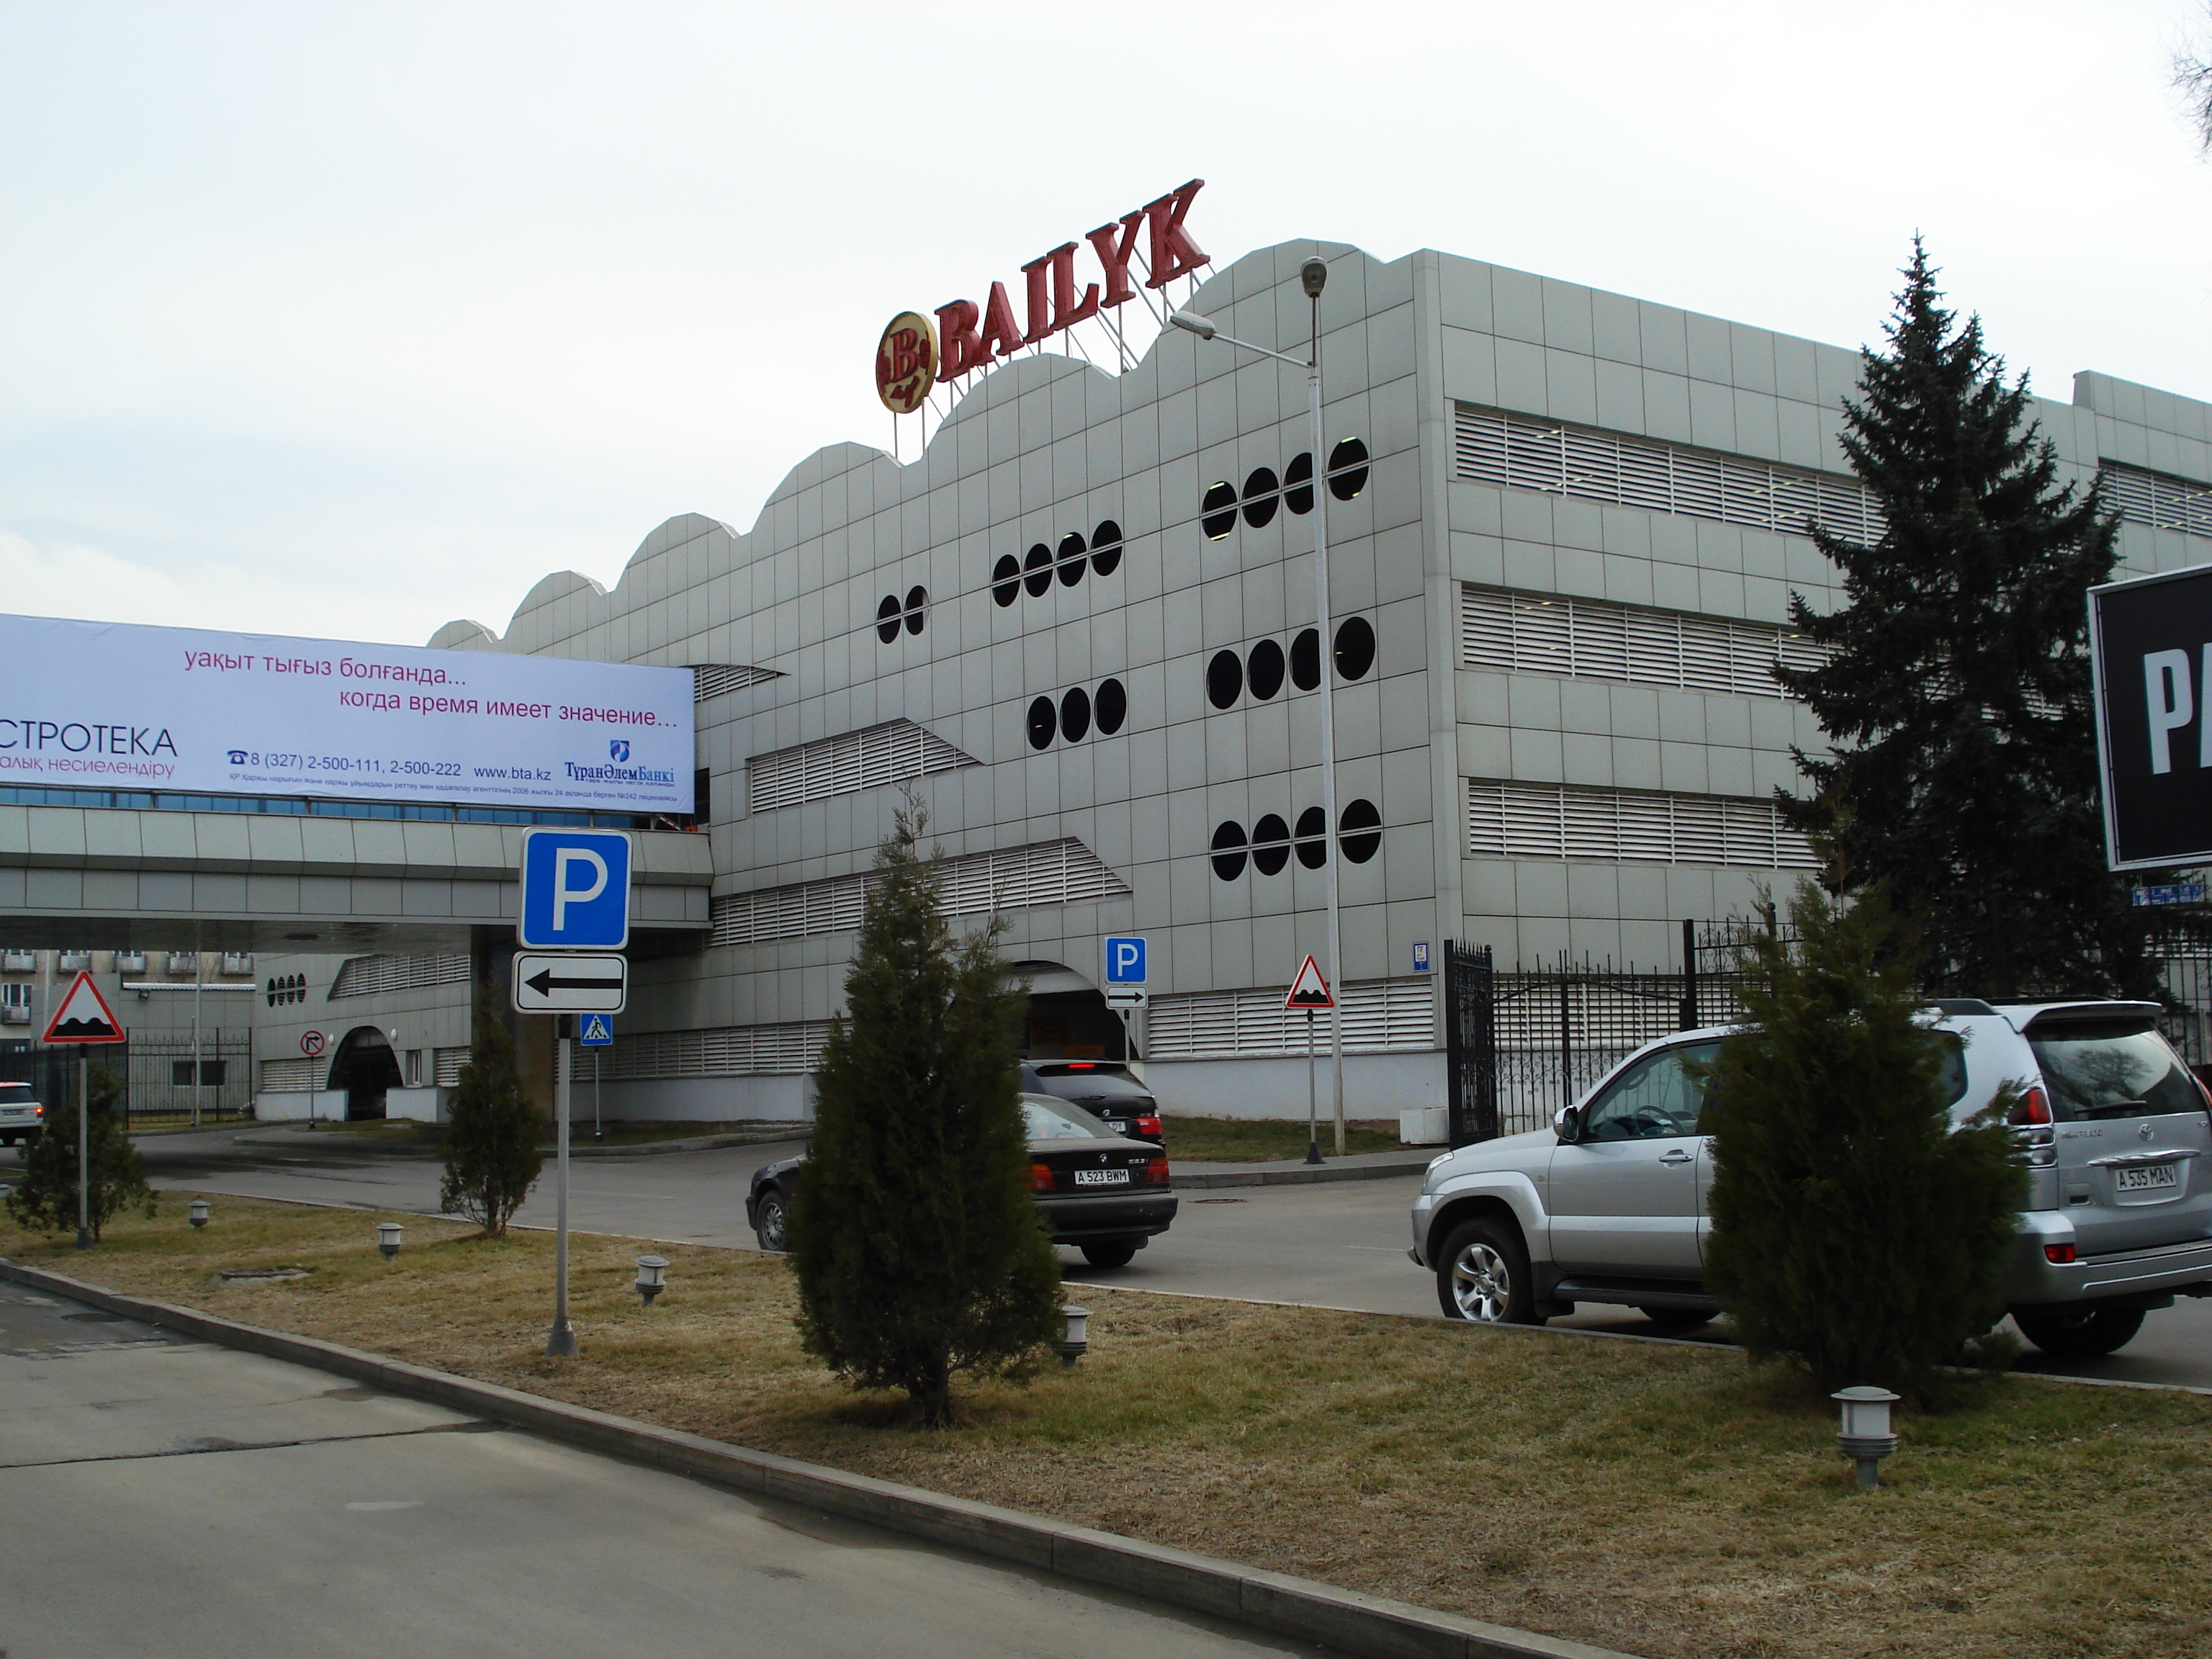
(366, 1068)
(1067, 1018)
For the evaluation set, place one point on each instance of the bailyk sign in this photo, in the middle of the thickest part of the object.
(917, 353)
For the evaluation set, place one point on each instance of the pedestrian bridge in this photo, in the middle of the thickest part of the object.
(109, 878)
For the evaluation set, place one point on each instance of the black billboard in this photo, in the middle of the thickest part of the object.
(2150, 640)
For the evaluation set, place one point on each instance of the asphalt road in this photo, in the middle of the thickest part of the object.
(159, 1497)
(1339, 1244)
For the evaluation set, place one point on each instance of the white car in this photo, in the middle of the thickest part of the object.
(21, 1118)
(1609, 1205)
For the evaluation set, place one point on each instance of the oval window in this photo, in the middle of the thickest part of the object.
(1263, 671)
(1229, 851)
(1037, 568)
(1271, 845)
(1071, 559)
(1106, 548)
(1111, 709)
(1305, 660)
(1355, 648)
(1225, 679)
(887, 618)
(1075, 715)
(1006, 580)
(1218, 510)
(1313, 838)
(1044, 720)
(1297, 483)
(1347, 469)
(1359, 831)
(1260, 497)
(917, 599)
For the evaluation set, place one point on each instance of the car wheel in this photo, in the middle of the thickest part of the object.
(2079, 1333)
(1117, 1253)
(1675, 1319)
(772, 1221)
(1482, 1275)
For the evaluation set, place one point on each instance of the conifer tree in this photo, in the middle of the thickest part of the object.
(1955, 695)
(492, 1159)
(1856, 1229)
(115, 1179)
(915, 1238)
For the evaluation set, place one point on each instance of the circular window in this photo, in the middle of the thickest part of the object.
(1229, 851)
(1355, 648)
(1271, 845)
(1305, 660)
(1225, 679)
(1264, 670)
(1260, 497)
(1075, 715)
(917, 599)
(1313, 838)
(1347, 469)
(1007, 579)
(1044, 719)
(1297, 483)
(887, 618)
(1072, 552)
(1037, 568)
(1111, 709)
(1359, 831)
(1218, 510)
(1106, 548)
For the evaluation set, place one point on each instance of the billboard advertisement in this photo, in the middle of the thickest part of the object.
(119, 706)
(2151, 645)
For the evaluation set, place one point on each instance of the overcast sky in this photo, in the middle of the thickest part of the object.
(347, 321)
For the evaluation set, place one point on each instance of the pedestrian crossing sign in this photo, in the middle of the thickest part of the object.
(598, 1032)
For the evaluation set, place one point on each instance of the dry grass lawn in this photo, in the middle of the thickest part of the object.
(1255, 1140)
(1663, 1500)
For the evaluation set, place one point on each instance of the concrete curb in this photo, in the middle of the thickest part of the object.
(1371, 1626)
(370, 1147)
(1300, 1175)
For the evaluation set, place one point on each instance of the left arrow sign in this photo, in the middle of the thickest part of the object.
(563, 983)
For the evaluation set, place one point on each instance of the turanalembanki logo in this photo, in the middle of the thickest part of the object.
(618, 750)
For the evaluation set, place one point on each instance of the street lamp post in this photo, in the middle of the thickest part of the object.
(1312, 277)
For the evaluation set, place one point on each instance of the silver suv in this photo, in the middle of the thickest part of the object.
(1609, 1205)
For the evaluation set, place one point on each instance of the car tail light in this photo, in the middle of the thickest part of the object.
(2033, 1110)
(2030, 1122)
(1155, 1172)
(1040, 1177)
(1148, 1128)
(2059, 1254)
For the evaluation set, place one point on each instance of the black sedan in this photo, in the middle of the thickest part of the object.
(1095, 1188)
(1104, 1088)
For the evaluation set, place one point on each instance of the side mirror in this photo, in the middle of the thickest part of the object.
(1567, 1121)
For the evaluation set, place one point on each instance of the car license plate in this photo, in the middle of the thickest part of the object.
(1102, 1177)
(2146, 1178)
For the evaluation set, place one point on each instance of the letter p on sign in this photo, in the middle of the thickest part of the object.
(575, 891)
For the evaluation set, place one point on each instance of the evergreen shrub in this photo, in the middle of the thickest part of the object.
(492, 1159)
(45, 1197)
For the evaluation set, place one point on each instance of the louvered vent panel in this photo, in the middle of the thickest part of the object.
(1047, 872)
(714, 679)
(725, 1051)
(447, 1066)
(1493, 448)
(1380, 1016)
(1630, 826)
(369, 976)
(2156, 500)
(1589, 638)
(867, 759)
(283, 1077)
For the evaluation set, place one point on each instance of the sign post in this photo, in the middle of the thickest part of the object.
(1310, 992)
(598, 1033)
(1127, 966)
(83, 1016)
(575, 899)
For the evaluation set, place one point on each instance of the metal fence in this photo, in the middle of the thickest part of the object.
(155, 1071)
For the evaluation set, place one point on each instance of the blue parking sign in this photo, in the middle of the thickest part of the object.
(575, 889)
(1125, 961)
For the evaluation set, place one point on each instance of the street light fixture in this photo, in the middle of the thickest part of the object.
(1313, 277)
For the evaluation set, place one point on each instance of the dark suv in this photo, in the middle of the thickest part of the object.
(1104, 1088)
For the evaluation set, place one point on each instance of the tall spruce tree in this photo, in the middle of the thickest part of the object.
(492, 1159)
(1962, 770)
(914, 1239)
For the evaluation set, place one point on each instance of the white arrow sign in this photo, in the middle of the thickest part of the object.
(1128, 996)
(569, 983)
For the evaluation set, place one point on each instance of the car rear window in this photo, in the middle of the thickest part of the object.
(14, 1092)
(1049, 1119)
(2112, 1068)
(1077, 1083)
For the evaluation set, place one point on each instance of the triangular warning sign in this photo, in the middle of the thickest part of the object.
(1310, 989)
(84, 1015)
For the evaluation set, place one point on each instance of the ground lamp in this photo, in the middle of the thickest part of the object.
(198, 1212)
(1075, 1340)
(1865, 1437)
(652, 1277)
(387, 1239)
(1312, 277)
